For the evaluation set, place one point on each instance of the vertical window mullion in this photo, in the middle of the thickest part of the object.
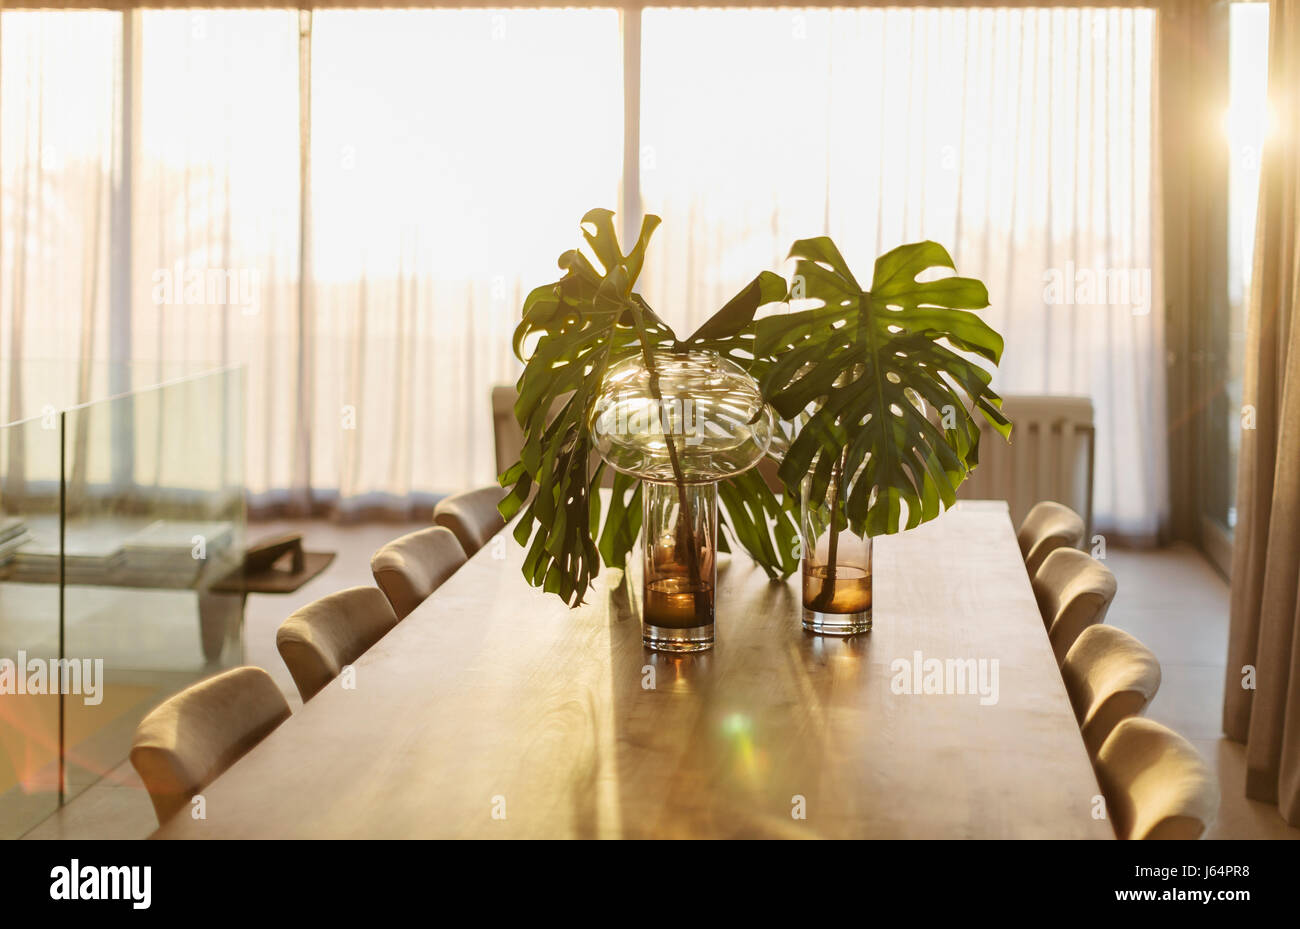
(122, 252)
(630, 208)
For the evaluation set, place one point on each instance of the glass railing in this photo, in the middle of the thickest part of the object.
(30, 461)
(39, 386)
(126, 520)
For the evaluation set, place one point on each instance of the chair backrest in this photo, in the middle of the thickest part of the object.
(472, 516)
(505, 428)
(1048, 526)
(1155, 784)
(1110, 676)
(317, 641)
(408, 569)
(1073, 590)
(1050, 456)
(192, 737)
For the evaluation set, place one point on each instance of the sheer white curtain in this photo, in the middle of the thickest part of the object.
(1020, 139)
(215, 232)
(451, 154)
(58, 125)
(454, 153)
(438, 192)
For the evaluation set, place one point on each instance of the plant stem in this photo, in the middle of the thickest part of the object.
(822, 602)
(686, 539)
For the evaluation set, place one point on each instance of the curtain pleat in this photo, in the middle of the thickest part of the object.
(1262, 699)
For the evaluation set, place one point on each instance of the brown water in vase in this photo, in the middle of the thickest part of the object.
(679, 534)
(849, 592)
(674, 603)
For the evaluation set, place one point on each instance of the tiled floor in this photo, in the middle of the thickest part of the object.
(1171, 599)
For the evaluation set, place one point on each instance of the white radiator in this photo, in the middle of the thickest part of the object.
(1050, 457)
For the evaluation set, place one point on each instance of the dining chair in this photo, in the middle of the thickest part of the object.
(319, 640)
(1073, 590)
(1155, 784)
(1048, 526)
(189, 739)
(1109, 676)
(506, 431)
(472, 516)
(408, 569)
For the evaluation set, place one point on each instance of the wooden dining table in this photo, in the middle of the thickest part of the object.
(495, 711)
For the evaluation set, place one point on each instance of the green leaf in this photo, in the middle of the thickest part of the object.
(574, 329)
(623, 522)
(602, 237)
(636, 257)
(760, 522)
(889, 380)
(738, 313)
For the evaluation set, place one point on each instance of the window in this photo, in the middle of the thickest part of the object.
(1021, 139)
(452, 152)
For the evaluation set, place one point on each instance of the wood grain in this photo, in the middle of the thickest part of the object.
(492, 691)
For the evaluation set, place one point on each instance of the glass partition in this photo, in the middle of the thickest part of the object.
(153, 540)
(36, 387)
(122, 530)
(29, 626)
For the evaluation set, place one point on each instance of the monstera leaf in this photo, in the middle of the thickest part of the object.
(571, 332)
(887, 379)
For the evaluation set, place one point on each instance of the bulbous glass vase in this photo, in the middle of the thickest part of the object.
(681, 426)
(710, 407)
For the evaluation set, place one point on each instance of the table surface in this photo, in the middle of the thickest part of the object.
(494, 711)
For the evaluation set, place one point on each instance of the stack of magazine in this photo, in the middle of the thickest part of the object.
(89, 557)
(170, 553)
(13, 535)
(165, 553)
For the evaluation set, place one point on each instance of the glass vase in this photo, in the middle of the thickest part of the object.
(680, 421)
(694, 417)
(836, 566)
(679, 538)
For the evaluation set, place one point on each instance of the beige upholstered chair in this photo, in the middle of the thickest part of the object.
(410, 568)
(472, 516)
(1155, 784)
(505, 429)
(317, 641)
(1073, 590)
(188, 740)
(1110, 676)
(1048, 526)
